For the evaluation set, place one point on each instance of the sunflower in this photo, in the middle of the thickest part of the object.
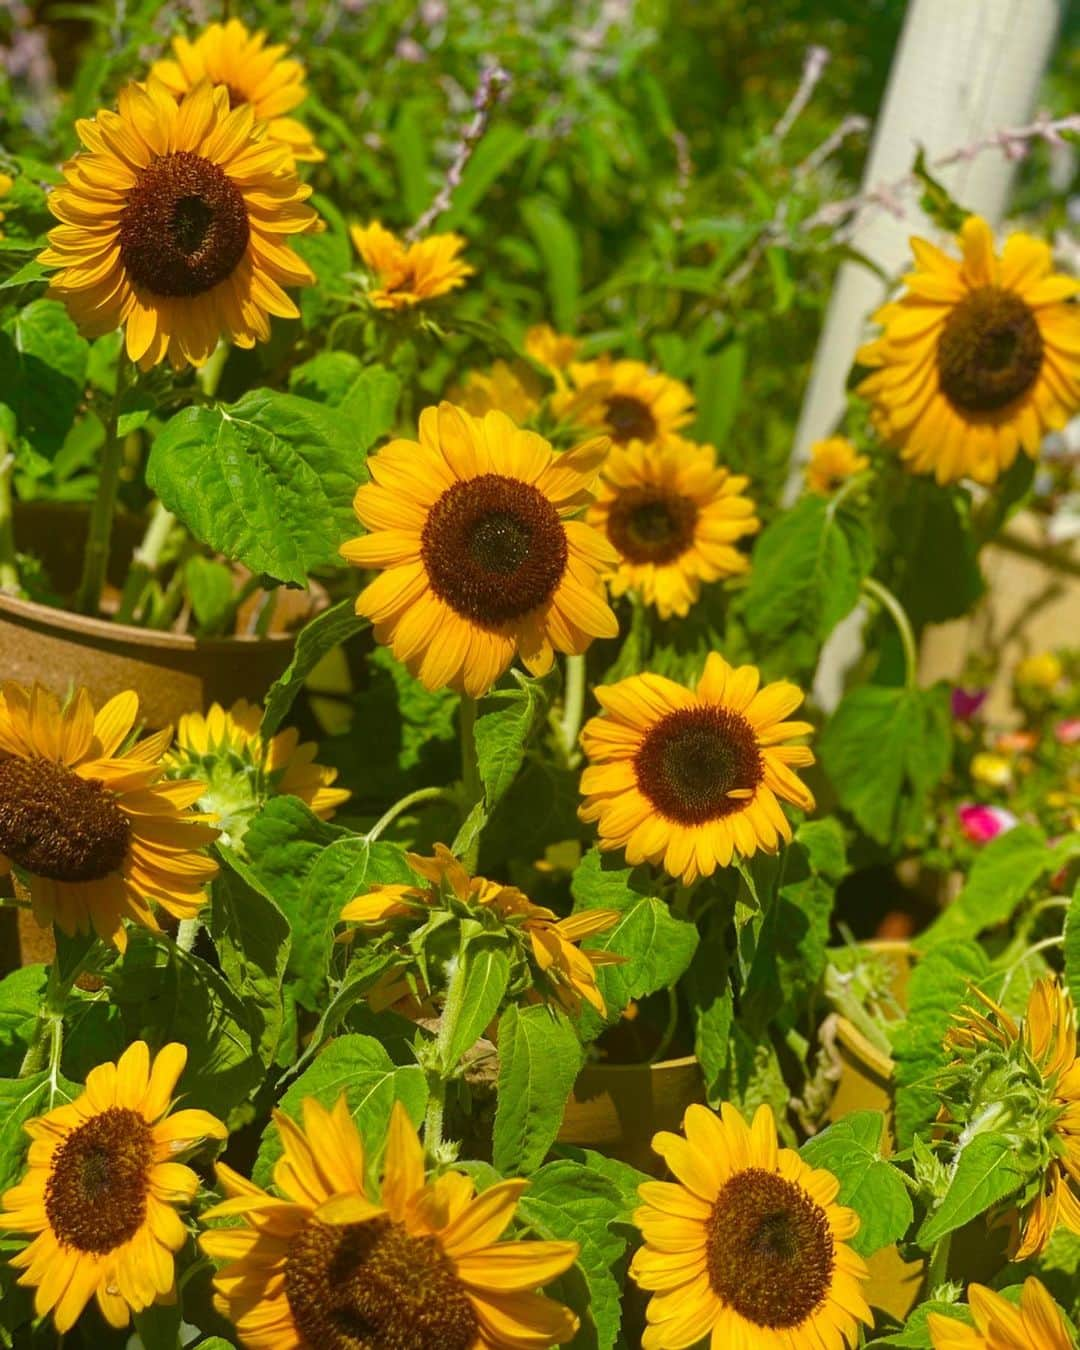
(478, 559)
(101, 1187)
(691, 778)
(242, 769)
(832, 462)
(675, 518)
(564, 973)
(977, 357)
(408, 274)
(504, 388)
(6, 184)
(173, 224)
(747, 1245)
(627, 399)
(227, 54)
(1046, 1039)
(94, 825)
(554, 351)
(329, 1267)
(1037, 1324)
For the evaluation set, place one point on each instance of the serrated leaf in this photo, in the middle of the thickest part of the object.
(539, 1059)
(20, 1099)
(1072, 947)
(319, 636)
(21, 995)
(42, 372)
(486, 975)
(267, 481)
(851, 1150)
(884, 750)
(915, 1334)
(504, 722)
(360, 1068)
(985, 1173)
(366, 397)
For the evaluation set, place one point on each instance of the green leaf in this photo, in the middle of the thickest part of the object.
(20, 1099)
(539, 1059)
(935, 199)
(808, 567)
(1072, 947)
(318, 636)
(871, 1186)
(937, 553)
(939, 985)
(42, 373)
(268, 481)
(209, 586)
(365, 396)
(1004, 871)
(915, 1334)
(360, 1068)
(505, 721)
(501, 145)
(487, 973)
(158, 1326)
(986, 1171)
(719, 384)
(885, 749)
(569, 1202)
(21, 995)
(252, 938)
(657, 946)
(409, 144)
(557, 241)
(165, 994)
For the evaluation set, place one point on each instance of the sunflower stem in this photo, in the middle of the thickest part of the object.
(573, 708)
(146, 561)
(96, 560)
(885, 598)
(470, 774)
(9, 568)
(671, 1027)
(186, 932)
(47, 1043)
(938, 1266)
(444, 1069)
(428, 794)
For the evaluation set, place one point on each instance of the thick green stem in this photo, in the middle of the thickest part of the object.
(671, 1027)
(938, 1267)
(573, 708)
(444, 1069)
(96, 560)
(47, 1043)
(889, 602)
(428, 794)
(146, 561)
(9, 571)
(470, 772)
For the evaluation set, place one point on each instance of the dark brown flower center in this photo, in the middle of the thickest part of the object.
(185, 226)
(691, 759)
(58, 825)
(95, 1198)
(768, 1249)
(370, 1286)
(990, 351)
(629, 419)
(494, 548)
(649, 524)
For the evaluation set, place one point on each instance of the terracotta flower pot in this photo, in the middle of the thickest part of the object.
(617, 1108)
(172, 673)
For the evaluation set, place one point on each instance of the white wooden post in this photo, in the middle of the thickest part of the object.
(963, 69)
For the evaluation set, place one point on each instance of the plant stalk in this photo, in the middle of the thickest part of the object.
(146, 561)
(9, 570)
(885, 598)
(444, 1071)
(428, 794)
(573, 708)
(96, 560)
(470, 772)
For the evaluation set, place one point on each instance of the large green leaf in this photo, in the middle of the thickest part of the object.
(557, 241)
(884, 750)
(267, 481)
(539, 1059)
(1072, 947)
(986, 1171)
(570, 1202)
(360, 1068)
(319, 636)
(656, 945)
(366, 397)
(486, 973)
(20, 1099)
(42, 373)
(21, 994)
(869, 1184)
(504, 723)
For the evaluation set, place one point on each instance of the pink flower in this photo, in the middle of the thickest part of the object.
(1068, 731)
(967, 702)
(980, 823)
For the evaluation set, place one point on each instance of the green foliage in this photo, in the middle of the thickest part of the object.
(985, 1172)
(539, 1058)
(505, 721)
(851, 1149)
(885, 750)
(42, 373)
(318, 637)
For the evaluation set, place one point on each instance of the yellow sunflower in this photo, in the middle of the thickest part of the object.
(241, 769)
(408, 274)
(627, 399)
(977, 358)
(690, 778)
(227, 54)
(479, 561)
(1036, 1324)
(6, 183)
(675, 518)
(101, 1187)
(173, 224)
(504, 388)
(567, 974)
(330, 1267)
(832, 462)
(554, 351)
(748, 1245)
(1047, 1035)
(92, 822)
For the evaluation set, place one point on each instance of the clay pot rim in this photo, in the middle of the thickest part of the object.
(682, 1062)
(127, 635)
